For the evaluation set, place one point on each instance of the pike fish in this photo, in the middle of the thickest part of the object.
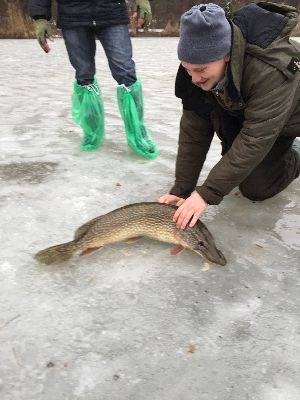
(129, 223)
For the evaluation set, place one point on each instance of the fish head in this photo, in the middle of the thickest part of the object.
(200, 240)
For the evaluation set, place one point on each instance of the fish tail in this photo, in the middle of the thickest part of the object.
(56, 254)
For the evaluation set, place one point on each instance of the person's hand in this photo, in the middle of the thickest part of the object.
(170, 199)
(189, 210)
(140, 23)
(43, 31)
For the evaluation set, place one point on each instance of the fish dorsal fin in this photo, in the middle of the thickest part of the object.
(82, 230)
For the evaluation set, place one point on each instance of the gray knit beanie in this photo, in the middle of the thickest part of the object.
(205, 34)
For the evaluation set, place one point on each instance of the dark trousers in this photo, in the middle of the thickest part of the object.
(277, 170)
(81, 46)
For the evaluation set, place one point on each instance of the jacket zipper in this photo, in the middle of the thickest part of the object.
(93, 15)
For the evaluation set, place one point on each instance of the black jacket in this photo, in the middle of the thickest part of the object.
(72, 13)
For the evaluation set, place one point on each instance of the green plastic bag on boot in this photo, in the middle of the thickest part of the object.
(131, 106)
(88, 112)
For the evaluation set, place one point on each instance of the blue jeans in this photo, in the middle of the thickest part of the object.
(81, 46)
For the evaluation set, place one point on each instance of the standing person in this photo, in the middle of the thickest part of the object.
(82, 23)
(240, 79)
(141, 14)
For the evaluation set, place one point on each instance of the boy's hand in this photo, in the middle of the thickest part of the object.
(43, 31)
(170, 198)
(189, 210)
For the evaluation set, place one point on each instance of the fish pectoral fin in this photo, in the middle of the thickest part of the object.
(176, 250)
(133, 239)
(89, 250)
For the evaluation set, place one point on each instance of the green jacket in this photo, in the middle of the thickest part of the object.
(260, 101)
(143, 5)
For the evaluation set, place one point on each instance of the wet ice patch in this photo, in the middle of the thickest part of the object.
(27, 172)
(289, 231)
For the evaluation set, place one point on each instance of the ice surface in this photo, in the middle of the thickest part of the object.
(131, 322)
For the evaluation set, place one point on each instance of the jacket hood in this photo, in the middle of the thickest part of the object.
(263, 30)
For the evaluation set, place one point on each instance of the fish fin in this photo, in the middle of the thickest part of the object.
(133, 239)
(82, 230)
(89, 250)
(176, 250)
(59, 253)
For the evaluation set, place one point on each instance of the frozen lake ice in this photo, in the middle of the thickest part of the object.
(132, 322)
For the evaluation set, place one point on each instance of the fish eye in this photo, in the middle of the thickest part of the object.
(201, 244)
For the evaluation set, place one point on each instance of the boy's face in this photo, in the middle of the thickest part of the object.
(206, 76)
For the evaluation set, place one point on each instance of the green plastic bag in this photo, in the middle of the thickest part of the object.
(88, 112)
(131, 106)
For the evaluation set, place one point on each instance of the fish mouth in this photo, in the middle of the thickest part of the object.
(216, 258)
(213, 255)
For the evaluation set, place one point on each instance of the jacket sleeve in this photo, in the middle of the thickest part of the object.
(268, 108)
(39, 8)
(195, 137)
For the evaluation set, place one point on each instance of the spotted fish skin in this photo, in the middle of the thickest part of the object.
(152, 220)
